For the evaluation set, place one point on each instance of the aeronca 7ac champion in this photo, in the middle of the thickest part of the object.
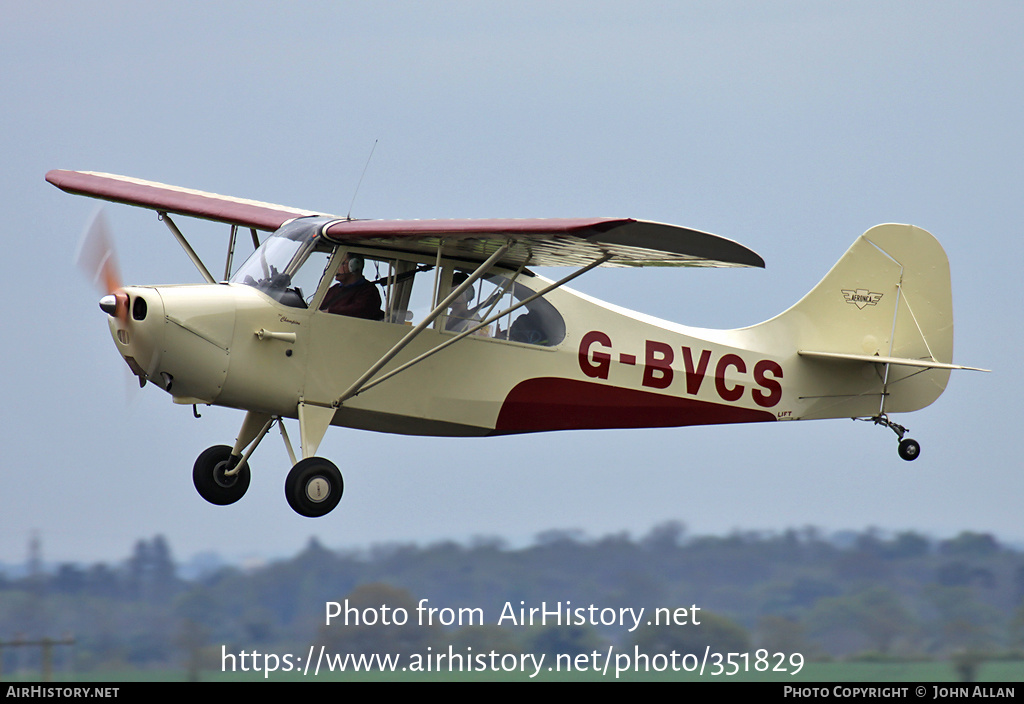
(439, 327)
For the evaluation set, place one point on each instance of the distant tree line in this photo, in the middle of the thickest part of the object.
(856, 595)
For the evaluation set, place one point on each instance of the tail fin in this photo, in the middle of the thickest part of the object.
(888, 297)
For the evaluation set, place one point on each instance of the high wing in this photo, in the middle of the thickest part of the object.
(172, 199)
(535, 242)
(552, 241)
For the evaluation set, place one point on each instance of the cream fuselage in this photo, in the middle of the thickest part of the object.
(613, 369)
(233, 345)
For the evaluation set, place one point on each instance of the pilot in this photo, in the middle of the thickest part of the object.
(353, 295)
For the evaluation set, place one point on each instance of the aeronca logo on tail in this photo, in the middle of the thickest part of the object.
(732, 376)
(861, 297)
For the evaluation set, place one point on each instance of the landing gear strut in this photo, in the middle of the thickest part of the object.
(314, 485)
(909, 449)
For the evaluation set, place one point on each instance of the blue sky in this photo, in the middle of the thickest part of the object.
(791, 127)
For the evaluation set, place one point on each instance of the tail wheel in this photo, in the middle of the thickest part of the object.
(909, 449)
(314, 487)
(211, 478)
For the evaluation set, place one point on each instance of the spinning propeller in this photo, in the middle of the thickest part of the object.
(97, 259)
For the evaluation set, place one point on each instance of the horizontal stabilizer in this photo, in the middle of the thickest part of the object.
(899, 361)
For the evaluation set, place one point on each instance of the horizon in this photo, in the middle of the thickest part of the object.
(193, 563)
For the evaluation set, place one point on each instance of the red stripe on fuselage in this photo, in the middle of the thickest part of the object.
(566, 404)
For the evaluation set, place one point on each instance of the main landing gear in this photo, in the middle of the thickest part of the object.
(909, 449)
(218, 477)
(314, 485)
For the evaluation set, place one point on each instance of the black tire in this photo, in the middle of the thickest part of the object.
(314, 487)
(210, 481)
(909, 449)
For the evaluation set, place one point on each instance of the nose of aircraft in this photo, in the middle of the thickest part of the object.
(177, 337)
(136, 324)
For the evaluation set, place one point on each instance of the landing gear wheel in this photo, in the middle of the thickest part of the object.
(909, 449)
(314, 487)
(212, 482)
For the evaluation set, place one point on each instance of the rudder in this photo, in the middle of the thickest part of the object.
(888, 296)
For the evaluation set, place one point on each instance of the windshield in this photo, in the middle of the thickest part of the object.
(289, 261)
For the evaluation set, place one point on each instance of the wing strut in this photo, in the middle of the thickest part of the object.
(187, 247)
(441, 308)
(490, 319)
(231, 252)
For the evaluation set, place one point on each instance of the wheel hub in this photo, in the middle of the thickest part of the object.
(318, 489)
(313, 487)
(221, 477)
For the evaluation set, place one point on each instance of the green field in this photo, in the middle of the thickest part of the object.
(996, 671)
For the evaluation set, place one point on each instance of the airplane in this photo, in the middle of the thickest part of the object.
(458, 336)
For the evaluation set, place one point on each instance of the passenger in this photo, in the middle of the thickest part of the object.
(528, 328)
(353, 295)
(460, 317)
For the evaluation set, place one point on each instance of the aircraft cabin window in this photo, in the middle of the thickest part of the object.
(290, 264)
(394, 291)
(409, 292)
(536, 323)
(351, 293)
